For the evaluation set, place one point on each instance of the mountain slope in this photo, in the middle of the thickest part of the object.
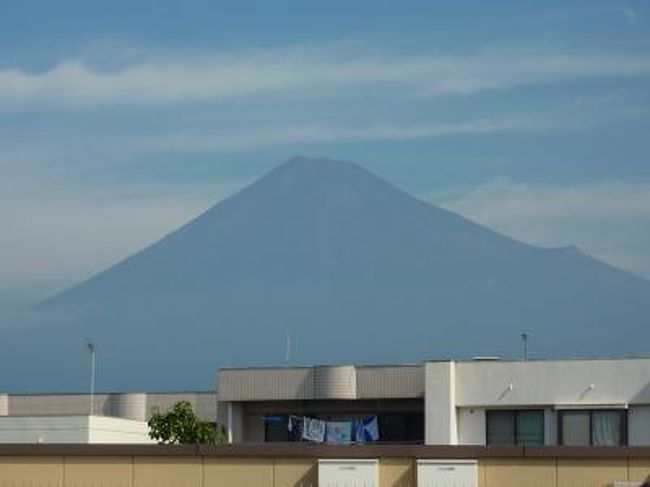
(354, 269)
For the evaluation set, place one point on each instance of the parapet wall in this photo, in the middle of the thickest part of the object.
(290, 465)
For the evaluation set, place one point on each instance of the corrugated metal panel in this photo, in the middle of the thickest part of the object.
(205, 404)
(265, 384)
(57, 404)
(4, 405)
(322, 382)
(395, 381)
(335, 382)
(129, 405)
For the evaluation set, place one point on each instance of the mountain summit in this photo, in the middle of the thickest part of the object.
(353, 269)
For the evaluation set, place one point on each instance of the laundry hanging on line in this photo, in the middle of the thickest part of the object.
(338, 432)
(304, 428)
(366, 430)
(314, 430)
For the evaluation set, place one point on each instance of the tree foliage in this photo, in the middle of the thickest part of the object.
(181, 425)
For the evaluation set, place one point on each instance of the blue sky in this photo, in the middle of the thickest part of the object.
(120, 120)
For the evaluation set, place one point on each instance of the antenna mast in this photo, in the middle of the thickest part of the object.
(92, 349)
(287, 353)
(524, 338)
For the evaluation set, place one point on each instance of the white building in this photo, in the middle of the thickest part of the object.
(72, 429)
(474, 402)
(65, 418)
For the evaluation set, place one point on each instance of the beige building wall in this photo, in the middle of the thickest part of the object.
(517, 472)
(594, 473)
(240, 472)
(167, 472)
(295, 473)
(173, 471)
(112, 471)
(397, 472)
(32, 471)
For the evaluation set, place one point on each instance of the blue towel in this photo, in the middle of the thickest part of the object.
(366, 430)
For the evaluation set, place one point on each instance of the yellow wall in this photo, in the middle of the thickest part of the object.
(591, 473)
(113, 471)
(32, 471)
(639, 469)
(295, 473)
(143, 471)
(167, 472)
(397, 472)
(518, 472)
(239, 472)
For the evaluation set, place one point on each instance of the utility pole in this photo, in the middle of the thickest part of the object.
(287, 354)
(92, 349)
(524, 338)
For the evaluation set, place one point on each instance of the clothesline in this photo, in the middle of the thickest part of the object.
(317, 430)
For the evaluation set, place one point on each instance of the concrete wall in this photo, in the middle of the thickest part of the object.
(553, 382)
(72, 429)
(471, 426)
(117, 430)
(453, 390)
(639, 425)
(150, 471)
(440, 426)
(50, 429)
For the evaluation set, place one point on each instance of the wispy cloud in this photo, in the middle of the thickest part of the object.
(507, 199)
(631, 15)
(248, 138)
(610, 219)
(56, 235)
(582, 113)
(291, 71)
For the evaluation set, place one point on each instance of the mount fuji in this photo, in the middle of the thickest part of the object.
(351, 268)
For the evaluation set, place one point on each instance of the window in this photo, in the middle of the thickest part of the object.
(401, 427)
(515, 427)
(607, 427)
(275, 428)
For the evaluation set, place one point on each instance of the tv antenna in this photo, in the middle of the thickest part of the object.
(92, 348)
(287, 353)
(524, 338)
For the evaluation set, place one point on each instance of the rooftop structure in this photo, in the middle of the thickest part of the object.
(472, 402)
(575, 402)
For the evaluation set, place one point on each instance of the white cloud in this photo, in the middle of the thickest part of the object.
(610, 220)
(292, 71)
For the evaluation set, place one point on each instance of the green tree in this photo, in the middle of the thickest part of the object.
(181, 425)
